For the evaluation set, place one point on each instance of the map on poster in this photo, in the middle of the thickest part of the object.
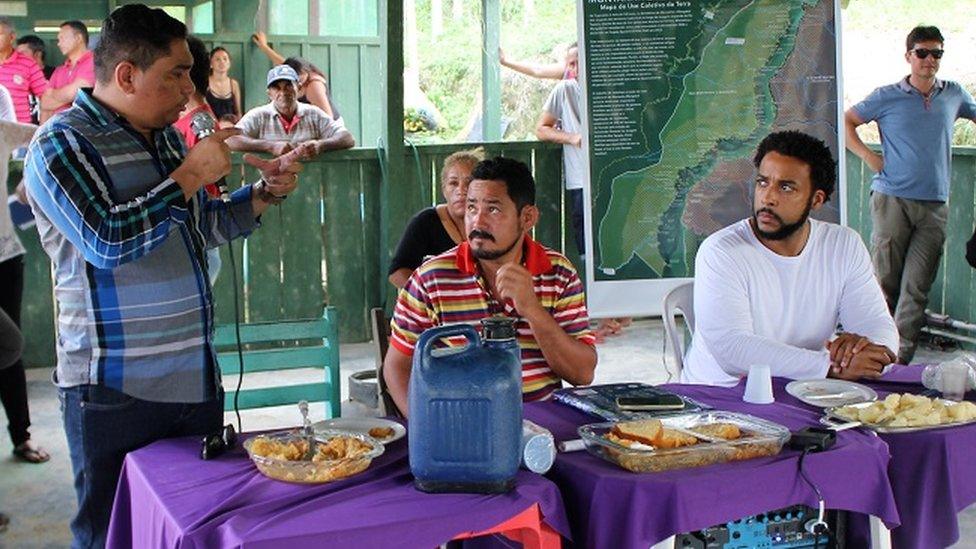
(679, 93)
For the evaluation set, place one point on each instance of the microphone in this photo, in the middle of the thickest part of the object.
(202, 125)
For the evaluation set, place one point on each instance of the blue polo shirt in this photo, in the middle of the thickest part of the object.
(916, 136)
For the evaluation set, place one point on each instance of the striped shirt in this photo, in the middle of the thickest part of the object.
(22, 77)
(309, 123)
(449, 289)
(135, 309)
(68, 72)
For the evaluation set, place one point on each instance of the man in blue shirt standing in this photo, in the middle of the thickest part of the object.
(911, 184)
(121, 210)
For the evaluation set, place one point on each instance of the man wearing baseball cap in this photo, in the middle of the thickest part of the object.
(285, 124)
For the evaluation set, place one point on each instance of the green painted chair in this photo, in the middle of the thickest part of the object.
(286, 345)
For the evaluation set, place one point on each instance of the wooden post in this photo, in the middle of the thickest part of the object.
(395, 192)
(491, 80)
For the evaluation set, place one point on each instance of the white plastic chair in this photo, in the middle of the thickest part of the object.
(680, 298)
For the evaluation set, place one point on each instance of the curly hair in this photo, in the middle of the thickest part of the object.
(804, 147)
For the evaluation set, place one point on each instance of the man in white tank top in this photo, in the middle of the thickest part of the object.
(778, 287)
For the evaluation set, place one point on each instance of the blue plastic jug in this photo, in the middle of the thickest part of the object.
(466, 409)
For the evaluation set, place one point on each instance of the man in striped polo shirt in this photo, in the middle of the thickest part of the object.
(499, 270)
(19, 73)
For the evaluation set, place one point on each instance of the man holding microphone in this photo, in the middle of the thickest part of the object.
(121, 211)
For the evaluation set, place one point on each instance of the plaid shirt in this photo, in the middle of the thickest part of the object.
(135, 310)
(310, 123)
(449, 289)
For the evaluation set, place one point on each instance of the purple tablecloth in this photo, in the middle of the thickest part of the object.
(611, 507)
(933, 473)
(168, 497)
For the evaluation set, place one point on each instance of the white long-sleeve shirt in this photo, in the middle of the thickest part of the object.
(754, 306)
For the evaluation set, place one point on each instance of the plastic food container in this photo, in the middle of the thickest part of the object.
(758, 438)
(286, 463)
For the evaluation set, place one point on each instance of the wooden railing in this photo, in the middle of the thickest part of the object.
(954, 290)
(324, 245)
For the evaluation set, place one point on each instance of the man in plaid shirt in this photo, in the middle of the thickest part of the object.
(121, 210)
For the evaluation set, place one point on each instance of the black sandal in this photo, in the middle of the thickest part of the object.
(31, 454)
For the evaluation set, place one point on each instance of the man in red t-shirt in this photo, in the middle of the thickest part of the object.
(19, 73)
(78, 70)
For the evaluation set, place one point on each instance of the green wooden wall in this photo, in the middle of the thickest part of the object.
(954, 290)
(323, 245)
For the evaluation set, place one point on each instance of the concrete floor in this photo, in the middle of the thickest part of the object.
(40, 498)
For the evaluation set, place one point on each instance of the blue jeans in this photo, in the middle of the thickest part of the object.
(576, 214)
(102, 425)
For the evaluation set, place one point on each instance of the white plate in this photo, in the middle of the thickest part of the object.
(830, 393)
(362, 425)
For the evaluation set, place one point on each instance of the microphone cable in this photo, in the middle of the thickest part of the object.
(237, 328)
(237, 312)
(820, 525)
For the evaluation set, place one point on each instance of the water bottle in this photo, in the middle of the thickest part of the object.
(466, 410)
(932, 374)
(538, 448)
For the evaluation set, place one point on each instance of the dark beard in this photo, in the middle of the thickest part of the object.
(785, 230)
(489, 255)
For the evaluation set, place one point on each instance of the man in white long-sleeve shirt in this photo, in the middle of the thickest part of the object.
(774, 288)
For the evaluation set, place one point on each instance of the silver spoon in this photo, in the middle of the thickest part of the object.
(307, 431)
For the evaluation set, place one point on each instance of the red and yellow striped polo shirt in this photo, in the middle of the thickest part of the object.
(449, 289)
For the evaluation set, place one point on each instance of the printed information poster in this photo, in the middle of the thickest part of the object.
(678, 95)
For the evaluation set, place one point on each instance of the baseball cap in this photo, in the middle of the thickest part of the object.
(282, 72)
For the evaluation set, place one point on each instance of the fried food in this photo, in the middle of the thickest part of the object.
(341, 448)
(671, 438)
(381, 432)
(724, 431)
(284, 459)
(908, 410)
(646, 445)
(273, 449)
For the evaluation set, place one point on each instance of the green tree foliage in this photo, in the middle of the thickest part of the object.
(450, 64)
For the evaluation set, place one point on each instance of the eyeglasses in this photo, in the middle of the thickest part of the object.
(922, 53)
(217, 443)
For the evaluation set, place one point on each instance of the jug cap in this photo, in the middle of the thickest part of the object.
(499, 327)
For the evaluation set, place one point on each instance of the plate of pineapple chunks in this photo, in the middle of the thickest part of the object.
(899, 413)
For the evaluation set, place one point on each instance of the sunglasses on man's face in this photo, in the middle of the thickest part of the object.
(922, 53)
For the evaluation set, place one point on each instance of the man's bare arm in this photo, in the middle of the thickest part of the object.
(56, 97)
(341, 140)
(546, 130)
(400, 277)
(553, 71)
(568, 357)
(396, 372)
(856, 146)
(243, 143)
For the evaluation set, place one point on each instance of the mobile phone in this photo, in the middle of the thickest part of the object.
(654, 402)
